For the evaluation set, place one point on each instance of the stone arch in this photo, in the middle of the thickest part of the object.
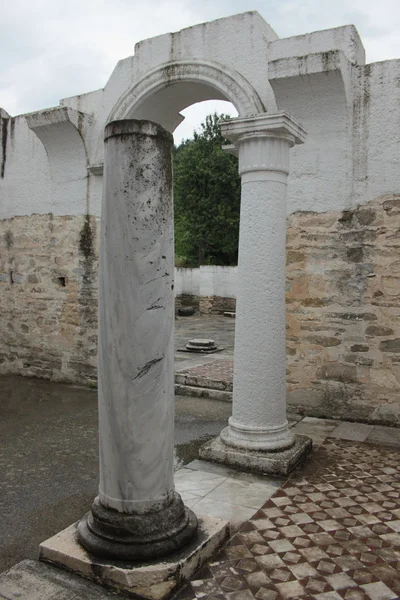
(154, 96)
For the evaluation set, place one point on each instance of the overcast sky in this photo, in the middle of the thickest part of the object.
(51, 49)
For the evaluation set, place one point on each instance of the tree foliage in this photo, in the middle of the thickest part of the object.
(207, 198)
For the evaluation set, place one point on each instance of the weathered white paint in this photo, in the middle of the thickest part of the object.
(205, 281)
(187, 281)
(351, 111)
(258, 419)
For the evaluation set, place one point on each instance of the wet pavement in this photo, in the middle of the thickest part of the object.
(49, 456)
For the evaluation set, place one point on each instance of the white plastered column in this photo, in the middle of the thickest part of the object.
(258, 421)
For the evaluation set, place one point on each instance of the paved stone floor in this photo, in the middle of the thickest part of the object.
(331, 532)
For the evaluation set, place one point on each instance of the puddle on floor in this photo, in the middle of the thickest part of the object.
(185, 453)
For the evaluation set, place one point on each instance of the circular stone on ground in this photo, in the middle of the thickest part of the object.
(186, 311)
(200, 345)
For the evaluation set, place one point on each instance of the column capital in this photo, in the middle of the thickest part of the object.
(277, 125)
(262, 143)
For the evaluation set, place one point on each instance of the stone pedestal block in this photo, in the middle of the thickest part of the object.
(281, 462)
(150, 580)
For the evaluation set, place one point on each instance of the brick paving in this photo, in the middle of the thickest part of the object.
(331, 532)
(219, 370)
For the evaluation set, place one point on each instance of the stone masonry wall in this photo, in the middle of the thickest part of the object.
(216, 305)
(343, 312)
(343, 306)
(48, 297)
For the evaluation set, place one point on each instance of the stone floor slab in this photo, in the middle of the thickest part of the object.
(243, 493)
(198, 483)
(387, 436)
(358, 432)
(236, 514)
(32, 580)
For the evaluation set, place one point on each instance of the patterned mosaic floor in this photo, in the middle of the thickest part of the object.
(331, 532)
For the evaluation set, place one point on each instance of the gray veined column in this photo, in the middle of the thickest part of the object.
(258, 436)
(137, 514)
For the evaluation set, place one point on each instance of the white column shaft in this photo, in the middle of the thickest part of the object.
(259, 397)
(136, 321)
(258, 419)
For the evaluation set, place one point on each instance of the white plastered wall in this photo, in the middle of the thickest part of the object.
(205, 281)
(351, 113)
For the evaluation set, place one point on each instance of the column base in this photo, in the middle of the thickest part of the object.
(154, 580)
(279, 462)
(108, 533)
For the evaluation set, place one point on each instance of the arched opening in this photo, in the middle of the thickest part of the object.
(163, 93)
(195, 114)
(167, 91)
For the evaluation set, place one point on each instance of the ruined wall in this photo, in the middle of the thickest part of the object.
(343, 226)
(343, 312)
(48, 297)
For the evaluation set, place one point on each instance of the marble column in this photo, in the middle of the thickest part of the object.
(258, 423)
(137, 514)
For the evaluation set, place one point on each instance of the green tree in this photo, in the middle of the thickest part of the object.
(207, 198)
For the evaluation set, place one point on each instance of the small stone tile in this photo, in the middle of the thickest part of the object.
(266, 594)
(379, 591)
(269, 561)
(340, 581)
(230, 584)
(247, 565)
(261, 524)
(204, 587)
(354, 594)
(347, 563)
(257, 579)
(237, 552)
(260, 549)
(328, 596)
(326, 567)
(302, 570)
(291, 531)
(395, 525)
(317, 584)
(301, 518)
(291, 589)
(281, 575)
(241, 595)
(249, 538)
(313, 554)
(281, 545)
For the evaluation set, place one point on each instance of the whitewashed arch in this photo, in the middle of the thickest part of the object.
(210, 78)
